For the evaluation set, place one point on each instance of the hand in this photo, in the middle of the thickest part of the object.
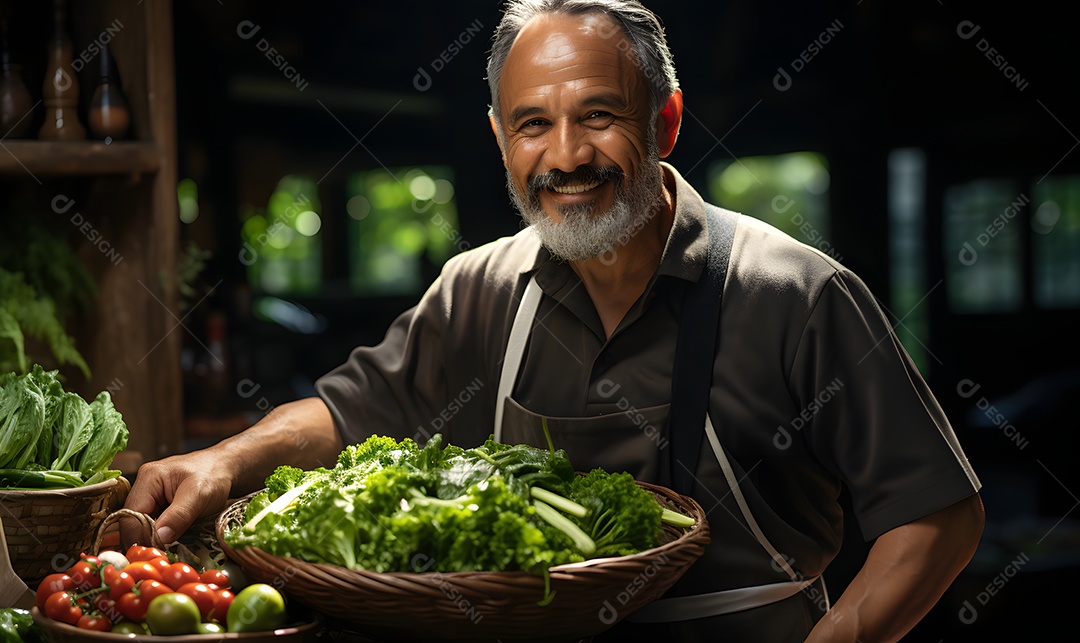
(184, 488)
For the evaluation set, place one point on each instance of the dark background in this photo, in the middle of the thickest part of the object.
(895, 76)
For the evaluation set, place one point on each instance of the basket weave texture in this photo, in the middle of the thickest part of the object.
(47, 529)
(589, 597)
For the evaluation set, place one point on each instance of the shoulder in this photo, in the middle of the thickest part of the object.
(487, 277)
(766, 262)
(497, 262)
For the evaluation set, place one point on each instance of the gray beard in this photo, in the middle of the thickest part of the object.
(583, 233)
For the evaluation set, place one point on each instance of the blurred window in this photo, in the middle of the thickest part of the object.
(982, 246)
(281, 242)
(1056, 242)
(401, 222)
(907, 258)
(788, 191)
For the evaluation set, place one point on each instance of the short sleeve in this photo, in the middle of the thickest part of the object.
(869, 415)
(396, 386)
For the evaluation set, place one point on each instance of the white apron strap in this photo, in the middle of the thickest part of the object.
(515, 349)
(682, 608)
(736, 491)
(685, 608)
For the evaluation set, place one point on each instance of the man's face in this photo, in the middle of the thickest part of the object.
(579, 144)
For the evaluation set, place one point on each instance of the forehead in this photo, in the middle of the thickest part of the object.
(558, 54)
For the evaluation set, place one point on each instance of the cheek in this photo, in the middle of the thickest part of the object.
(522, 158)
(625, 147)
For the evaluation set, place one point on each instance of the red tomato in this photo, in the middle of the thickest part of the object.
(96, 623)
(139, 552)
(143, 570)
(133, 604)
(119, 586)
(203, 596)
(107, 606)
(215, 577)
(61, 607)
(160, 563)
(85, 574)
(222, 602)
(52, 584)
(110, 574)
(178, 574)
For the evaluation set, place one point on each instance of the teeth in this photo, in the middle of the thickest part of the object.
(576, 189)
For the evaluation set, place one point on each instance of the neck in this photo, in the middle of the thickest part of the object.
(616, 279)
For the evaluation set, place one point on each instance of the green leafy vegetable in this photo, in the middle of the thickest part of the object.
(109, 436)
(17, 626)
(22, 417)
(623, 518)
(394, 506)
(52, 438)
(75, 425)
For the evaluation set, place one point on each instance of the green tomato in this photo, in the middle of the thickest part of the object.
(257, 608)
(171, 614)
(211, 628)
(129, 627)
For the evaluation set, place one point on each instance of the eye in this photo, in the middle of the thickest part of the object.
(532, 127)
(599, 118)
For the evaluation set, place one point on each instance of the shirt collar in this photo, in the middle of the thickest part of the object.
(687, 246)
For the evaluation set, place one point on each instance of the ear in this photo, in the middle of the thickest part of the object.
(667, 123)
(498, 139)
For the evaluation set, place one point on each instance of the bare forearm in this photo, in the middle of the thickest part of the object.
(184, 487)
(300, 433)
(906, 572)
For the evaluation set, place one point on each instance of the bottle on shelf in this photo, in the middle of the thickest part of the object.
(60, 93)
(15, 102)
(109, 117)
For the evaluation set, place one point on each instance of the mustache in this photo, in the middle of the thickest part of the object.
(583, 174)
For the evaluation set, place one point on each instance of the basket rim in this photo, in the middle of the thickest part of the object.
(66, 492)
(698, 531)
(56, 627)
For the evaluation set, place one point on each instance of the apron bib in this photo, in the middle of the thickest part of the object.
(633, 441)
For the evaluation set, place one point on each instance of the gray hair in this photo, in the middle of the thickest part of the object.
(641, 27)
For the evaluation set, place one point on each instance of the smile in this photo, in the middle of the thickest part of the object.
(576, 189)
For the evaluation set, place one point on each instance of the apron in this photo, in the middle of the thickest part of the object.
(652, 451)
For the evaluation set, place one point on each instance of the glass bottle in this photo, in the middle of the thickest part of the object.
(15, 102)
(109, 117)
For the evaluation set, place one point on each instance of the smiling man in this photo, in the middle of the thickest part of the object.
(653, 333)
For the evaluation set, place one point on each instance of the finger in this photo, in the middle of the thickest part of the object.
(194, 498)
(147, 496)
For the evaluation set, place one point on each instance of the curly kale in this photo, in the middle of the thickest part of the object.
(623, 518)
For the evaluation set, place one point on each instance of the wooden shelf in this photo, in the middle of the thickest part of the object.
(123, 223)
(83, 158)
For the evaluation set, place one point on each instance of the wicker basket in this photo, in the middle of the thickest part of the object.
(589, 597)
(47, 529)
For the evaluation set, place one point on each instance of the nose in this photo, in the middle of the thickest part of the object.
(568, 147)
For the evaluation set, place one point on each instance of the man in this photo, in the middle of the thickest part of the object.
(584, 320)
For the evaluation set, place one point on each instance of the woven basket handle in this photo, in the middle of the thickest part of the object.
(147, 523)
